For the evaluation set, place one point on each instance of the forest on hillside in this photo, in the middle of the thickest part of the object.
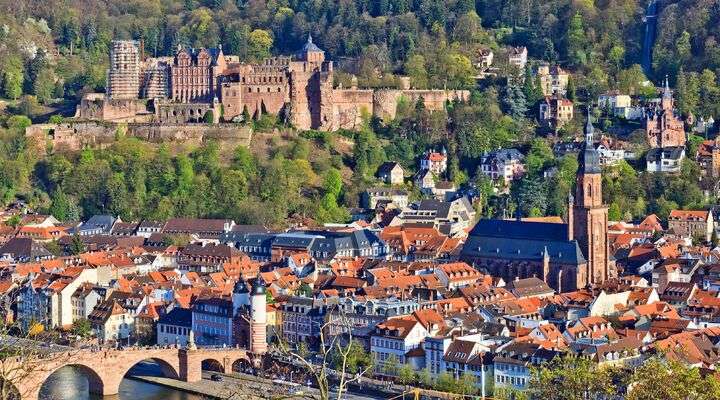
(54, 51)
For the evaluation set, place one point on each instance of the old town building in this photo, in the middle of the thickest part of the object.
(663, 127)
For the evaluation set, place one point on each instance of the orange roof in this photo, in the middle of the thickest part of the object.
(436, 157)
(43, 233)
(685, 215)
(428, 317)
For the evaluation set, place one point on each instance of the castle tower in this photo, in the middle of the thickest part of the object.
(258, 318)
(590, 216)
(123, 76)
(311, 53)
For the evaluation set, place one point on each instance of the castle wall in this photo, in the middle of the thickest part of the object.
(385, 101)
(348, 107)
(179, 113)
(75, 136)
(98, 107)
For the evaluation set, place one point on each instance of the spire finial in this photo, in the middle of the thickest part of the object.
(666, 91)
(309, 38)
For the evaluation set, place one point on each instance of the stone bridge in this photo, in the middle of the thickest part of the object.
(105, 369)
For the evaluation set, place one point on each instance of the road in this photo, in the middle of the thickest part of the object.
(275, 387)
(243, 386)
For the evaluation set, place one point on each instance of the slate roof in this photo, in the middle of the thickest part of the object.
(102, 222)
(177, 317)
(311, 241)
(521, 240)
(667, 153)
(503, 156)
(24, 248)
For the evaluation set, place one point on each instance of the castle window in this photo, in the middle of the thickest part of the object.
(268, 90)
(249, 90)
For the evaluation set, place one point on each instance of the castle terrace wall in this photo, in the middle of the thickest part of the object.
(385, 101)
(74, 136)
(348, 107)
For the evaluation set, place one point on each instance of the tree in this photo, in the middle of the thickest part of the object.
(63, 207)
(12, 78)
(679, 382)
(539, 156)
(76, 245)
(44, 85)
(209, 117)
(514, 101)
(576, 42)
(18, 122)
(415, 69)
(570, 378)
(406, 374)
(333, 182)
(531, 88)
(391, 366)
(424, 378)
(445, 382)
(614, 213)
(340, 351)
(81, 327)
(688, 92)
(530, 194)
(259, 44)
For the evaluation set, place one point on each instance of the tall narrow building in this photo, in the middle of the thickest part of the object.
(590, 216)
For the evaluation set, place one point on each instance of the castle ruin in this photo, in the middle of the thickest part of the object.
(184, 88)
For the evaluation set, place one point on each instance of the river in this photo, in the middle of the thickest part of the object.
(69, 383)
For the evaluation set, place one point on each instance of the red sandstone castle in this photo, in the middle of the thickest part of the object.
(664, 128)
(184, 88)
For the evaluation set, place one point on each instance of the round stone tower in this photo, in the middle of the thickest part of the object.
(258, 318)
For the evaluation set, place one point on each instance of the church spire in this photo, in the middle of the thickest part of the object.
(589, 129)
(666, 91)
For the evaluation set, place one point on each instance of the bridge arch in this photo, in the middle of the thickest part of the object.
(168, 368)
(96, 382)
(241, 364)
(212, 364)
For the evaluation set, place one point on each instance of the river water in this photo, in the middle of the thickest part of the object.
(69, 383)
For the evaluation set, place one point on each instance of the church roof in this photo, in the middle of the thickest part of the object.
(520, 240)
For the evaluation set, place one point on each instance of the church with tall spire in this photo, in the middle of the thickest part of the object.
(567, 256)
(589, 216)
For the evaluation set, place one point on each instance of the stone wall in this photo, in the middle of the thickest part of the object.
(75, 136)
(385, 101)
(348, 107)
(96, 106)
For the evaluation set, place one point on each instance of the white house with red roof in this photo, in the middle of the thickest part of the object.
(434, 162)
